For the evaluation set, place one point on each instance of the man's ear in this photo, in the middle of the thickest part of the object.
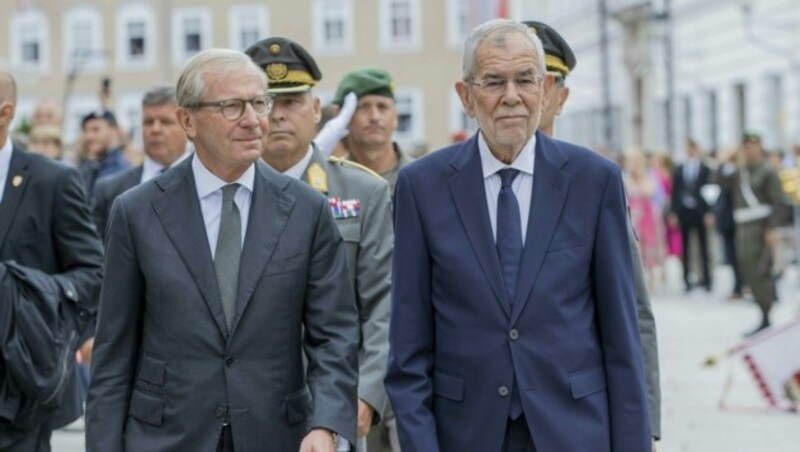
(6, 113)
(464, 93)
(563, 94)
(317, 107)
(187, 122)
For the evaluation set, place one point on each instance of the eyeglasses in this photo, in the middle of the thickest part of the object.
(233, 109)
(497, 86)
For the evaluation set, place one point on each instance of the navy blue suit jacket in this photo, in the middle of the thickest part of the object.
(571, 339)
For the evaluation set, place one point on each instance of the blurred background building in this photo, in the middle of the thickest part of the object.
(649, 73)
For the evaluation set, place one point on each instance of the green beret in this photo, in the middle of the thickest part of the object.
(364, 82)
(289, 67)
(558, 57)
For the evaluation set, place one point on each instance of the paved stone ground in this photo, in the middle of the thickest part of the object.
(691, 327)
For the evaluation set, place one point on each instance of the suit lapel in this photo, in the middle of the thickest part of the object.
(16, 182)
(178, 208)
(270, 208)
(469, 194)
(550, 187)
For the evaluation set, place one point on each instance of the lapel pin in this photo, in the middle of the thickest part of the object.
(16, 181)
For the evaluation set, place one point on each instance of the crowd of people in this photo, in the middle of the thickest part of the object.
(687, 211)
(279, 275)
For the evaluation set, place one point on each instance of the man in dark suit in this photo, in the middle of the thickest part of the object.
(359, 200)
(44, 224)
(221, 275)
(164, 146)
(103, 154)
(514, 314)
(560, 61)
(691, 211)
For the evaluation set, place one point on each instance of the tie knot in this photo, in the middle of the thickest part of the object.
(507, 176)
(228, 192)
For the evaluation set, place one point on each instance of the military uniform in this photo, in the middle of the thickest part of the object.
(403, 159)
(752, 223)
(360, 203)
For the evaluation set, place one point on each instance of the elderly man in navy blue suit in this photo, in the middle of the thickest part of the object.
(514, 314)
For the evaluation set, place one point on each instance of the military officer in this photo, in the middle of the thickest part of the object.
(757, 195)
(359, 200)
(559, 62)
(373, 123)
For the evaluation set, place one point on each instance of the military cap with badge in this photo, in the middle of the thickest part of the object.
(558, 57)
(291, 69)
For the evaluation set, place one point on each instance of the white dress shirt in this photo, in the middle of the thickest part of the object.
(151, 168)
(209, 191)
(522, 185)
(5, 164)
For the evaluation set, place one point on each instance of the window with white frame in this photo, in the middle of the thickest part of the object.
(458, 22)
(30, 40)
(410, 129)
(83, 40)
(191, 32)
(247, 24)
(400, 25)
(129, 114)
(332, 30)
(136, 37)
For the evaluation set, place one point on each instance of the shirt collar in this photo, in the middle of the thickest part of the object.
(151, 167)
(299, 168)
(208, 183)
(491, 165)
(5, 157)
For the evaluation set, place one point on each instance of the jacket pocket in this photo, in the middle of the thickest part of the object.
(351, 231)
(448, 386)
(147, 408)
(587, 381)
(298, 405)
(152, 370)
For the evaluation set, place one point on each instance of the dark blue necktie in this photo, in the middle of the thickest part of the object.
(509, 232)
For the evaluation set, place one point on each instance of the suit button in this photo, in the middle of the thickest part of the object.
(220, 412)
(503, 391)
(513, 334)
(229, 362)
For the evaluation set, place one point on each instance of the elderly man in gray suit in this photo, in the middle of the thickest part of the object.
(359, 200)
(221, 275)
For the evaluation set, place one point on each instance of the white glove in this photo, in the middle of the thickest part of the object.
(336, 129)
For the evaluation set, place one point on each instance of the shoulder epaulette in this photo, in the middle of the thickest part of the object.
(352, 164)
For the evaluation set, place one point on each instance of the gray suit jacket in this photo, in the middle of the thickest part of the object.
(368, 238)
(647, 332)
(167, 373)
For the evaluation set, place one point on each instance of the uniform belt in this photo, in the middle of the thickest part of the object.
(750, 214)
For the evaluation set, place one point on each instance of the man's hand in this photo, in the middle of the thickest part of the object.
(654, 444)
(364, 418)
(771, 238)
(84, 354)
(318, 440)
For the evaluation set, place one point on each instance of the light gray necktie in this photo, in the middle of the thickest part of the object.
(228, 252)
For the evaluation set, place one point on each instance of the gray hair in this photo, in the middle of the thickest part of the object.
(161, 95)
(191, 86)
(495, 32)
